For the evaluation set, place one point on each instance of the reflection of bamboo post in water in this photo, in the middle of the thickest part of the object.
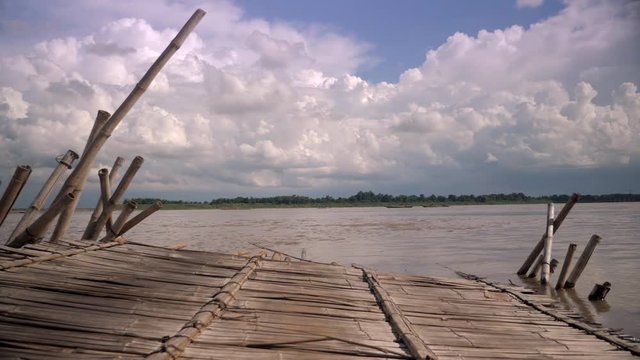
(114, 230)
(583, 308)
(67, 213)
(141, 216)
(78, 177)
(98, 209)
(28, 235)
(536, 267)
(63, 163)
(112, 202)
(582, 262)
(565, 266)
(556, 225)
(12, 191)
(548, 243)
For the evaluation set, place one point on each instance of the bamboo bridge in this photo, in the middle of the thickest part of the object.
(128, 300)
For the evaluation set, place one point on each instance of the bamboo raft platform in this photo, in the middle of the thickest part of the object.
(128, 300)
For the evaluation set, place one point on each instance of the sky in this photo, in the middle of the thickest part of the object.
(318, 98)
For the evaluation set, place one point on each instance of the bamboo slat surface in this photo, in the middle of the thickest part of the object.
(125, 300)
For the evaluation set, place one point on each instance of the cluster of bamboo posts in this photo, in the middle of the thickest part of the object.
(542, 252)
(31, 229)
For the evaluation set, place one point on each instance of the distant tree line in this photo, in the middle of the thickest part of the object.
(371, 198)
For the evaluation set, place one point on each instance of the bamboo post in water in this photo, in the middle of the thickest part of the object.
(63, 164)
(536, 267)
(113, 201)
(582, 262)
(12, 191)
(98, 209)
(565, 266)
(113, 232)
(548, 243)
(556, 225)
(67, 213)
(28, 236)
(141, 216)
(78, 177)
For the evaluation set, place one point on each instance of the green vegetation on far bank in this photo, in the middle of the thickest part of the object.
(370, 199)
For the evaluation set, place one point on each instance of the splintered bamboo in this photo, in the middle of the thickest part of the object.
(582, 262)
(67, 213)
(63, 164)
(28, 235)
(565, 266)
(141, 216)
(12, 191)
(548, 243)
(556, 225)
(110, 204)
(114, 230)
(78, 177)
(98, 209)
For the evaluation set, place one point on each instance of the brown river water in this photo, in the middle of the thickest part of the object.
(490, 241)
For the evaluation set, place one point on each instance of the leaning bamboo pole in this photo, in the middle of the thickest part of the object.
(114, 230)
(565, 266)
(556, 225)
(78, 177)
(141, 216)
(29, 235)
(12, 191)
(582, 262)
(67, 213)
(98, 209)
(63, 164)
(111, 203)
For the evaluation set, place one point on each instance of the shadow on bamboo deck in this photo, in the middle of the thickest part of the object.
(127, 300)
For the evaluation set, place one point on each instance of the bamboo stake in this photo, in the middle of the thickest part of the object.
(12, 191)
(63, 164)
(536, 267)
(582, 262)
(114, 230)
(78, 177)
(105, 185)
(565, 266)
(548, 243)
(141, 216)
(28, 236)
(67, 213)
(111, 203)
(556, 225)
(98, 209)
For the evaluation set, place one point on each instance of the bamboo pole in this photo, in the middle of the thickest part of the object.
(78, 177)
(111, 203)
(536, 267)
(63, 164)
(582, 262)
(565, 266)
(556, 225)
(548, 243)
(98, 209)
(114, 230)
(105, 185)
(12, 191)
(141, 216)
(28, 236)
(67, 213)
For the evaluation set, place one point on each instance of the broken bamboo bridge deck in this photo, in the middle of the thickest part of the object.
(128, 300)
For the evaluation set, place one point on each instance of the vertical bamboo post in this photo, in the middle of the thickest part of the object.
(12, 191)
(536, 267)
(27, 236)
(78, 177)
(98, 209)
(105, 185)
(67, 213)
(120, 221)
(548, 243)
(556, 225)
(582, 262)
(112, 202)
(141, 216)
(565, 266)
(63, 164)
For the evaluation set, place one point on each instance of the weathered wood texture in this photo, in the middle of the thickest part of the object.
(119, 300)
